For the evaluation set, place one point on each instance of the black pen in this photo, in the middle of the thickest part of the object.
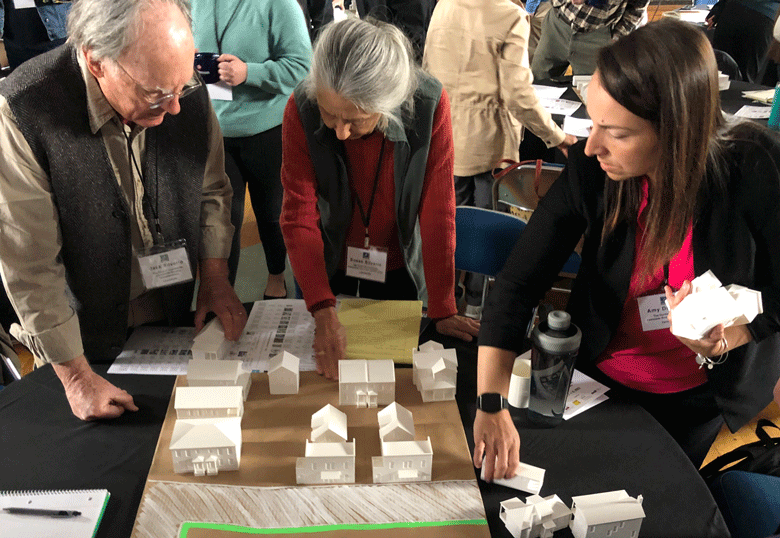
(42, 512)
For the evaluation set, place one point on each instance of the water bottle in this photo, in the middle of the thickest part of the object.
(774, 115)
(554, 346)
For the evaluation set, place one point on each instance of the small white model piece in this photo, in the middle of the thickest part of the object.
(536, 517)
(366, 383)
(403, 461)
(710, 304)
(614, 514)
(283, 373)
(327, 463)
(208, 402)
(329, 425)
(210, 342)
(206, 446)
(435, 374)
(396, 423)
(224, 373)
(528, 479)
(430, 345)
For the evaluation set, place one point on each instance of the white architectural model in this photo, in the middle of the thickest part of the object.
(396, 423)
(210, 342)
(224, 373)
(612, 514)
(206, 446)
(430, 345)
(327, 463)
(403, 461)
(528, 479)
(329, 425)
(366, 383)
(209, 402)
(710, 304)
(435, 373)
(537, 517)
(283, 373)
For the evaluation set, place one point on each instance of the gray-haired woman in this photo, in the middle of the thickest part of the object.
(369, 204)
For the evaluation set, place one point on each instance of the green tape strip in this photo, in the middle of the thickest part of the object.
(187, 525)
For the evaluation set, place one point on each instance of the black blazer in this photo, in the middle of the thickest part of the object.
(735, 234)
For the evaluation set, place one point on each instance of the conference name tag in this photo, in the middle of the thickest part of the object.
(367, 263)
(653, 312)
(165, 265)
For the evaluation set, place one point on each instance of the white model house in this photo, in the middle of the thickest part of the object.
(283, 373)
(435, 374)
(366, 383)
(613, 514)
(209, 402)
(396, 423)
(210, 342)
(329, 425)
(537, 517)
(326, 463)
(403, 461)
(206, 446)
(430, 345)
(223, 373)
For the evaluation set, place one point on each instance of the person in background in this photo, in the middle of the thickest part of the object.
(488, 80)
(743, 30)
(112, 193)
(367, 174)
(265, 52)
(29, 31)
(538, 10)
(664, 189)
(574, 30)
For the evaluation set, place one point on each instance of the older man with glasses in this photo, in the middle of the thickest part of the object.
(112, 193)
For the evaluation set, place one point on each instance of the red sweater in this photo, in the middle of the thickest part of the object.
(300, 216)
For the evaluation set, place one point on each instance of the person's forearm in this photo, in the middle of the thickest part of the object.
(71, 371)
(494, 370)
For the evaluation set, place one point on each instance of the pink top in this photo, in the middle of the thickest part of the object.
(652, 361)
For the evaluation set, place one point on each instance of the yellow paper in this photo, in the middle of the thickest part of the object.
(381, 329)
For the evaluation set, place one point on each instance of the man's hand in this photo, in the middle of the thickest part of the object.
(90, 396)
(459, 326)
(496, 439)
(215, 294)
(231, 70)
(330, 342)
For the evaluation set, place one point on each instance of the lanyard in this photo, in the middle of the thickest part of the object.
(157, 235)
(217, 34)
(366, 217)
(666, 274)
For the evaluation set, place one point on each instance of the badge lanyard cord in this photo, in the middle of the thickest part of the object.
(153, 208)
(366, 217)
(220, 36)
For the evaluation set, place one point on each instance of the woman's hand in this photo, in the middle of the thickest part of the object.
(496, 439)
(459, 326)
(232, 70)
(330, 342)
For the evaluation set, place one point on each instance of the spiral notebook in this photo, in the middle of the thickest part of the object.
(90, 503)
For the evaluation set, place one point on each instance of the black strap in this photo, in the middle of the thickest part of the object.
(157, 234)
(366, 217)
(221, 36)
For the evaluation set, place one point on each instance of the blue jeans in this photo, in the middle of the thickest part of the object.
(750, 503)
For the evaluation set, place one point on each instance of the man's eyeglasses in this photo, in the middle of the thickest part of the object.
(157, 98)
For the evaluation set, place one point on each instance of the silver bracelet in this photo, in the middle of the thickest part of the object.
(701, 360)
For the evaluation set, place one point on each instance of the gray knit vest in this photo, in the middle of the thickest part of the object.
(48, 98)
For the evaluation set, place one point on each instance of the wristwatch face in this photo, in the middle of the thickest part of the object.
(491, 402)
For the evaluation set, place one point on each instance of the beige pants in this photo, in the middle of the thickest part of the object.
(537, 18)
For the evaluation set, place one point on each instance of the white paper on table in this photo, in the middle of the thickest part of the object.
(548, 92)
(564, 107)
(273, 326)
(24, 4)
(754, 112)
(762, 96)
(584, 393)
(578, 127)
(220, 91)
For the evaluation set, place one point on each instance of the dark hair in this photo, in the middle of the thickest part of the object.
(665, 72)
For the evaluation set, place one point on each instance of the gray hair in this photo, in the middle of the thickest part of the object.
(109, 27)
(369, 63)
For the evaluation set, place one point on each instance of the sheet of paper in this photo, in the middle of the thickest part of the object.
(754, 112)
(548, 92)
(564, 107)
(381, 329)
(24, 4)
(762, 96)
(273, 326)
(578, 127)
(585, 392)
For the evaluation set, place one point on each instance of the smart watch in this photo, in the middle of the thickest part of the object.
(491, 402)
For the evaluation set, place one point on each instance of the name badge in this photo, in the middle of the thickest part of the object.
(220, 91)
(24, 4)
(367, 263)
(165, 265)
(653, 312)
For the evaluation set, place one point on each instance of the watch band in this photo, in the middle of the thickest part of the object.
(491, 402)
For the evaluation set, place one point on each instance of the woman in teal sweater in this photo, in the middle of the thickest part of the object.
(264, 51)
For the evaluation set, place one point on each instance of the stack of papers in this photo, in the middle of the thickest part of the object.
(762, 96)
(585, 393)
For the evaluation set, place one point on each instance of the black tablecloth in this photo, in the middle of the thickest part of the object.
(616, 445)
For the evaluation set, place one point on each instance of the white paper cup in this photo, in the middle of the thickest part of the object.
(520, 382)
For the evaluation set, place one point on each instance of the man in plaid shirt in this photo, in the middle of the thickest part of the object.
(574, 31)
